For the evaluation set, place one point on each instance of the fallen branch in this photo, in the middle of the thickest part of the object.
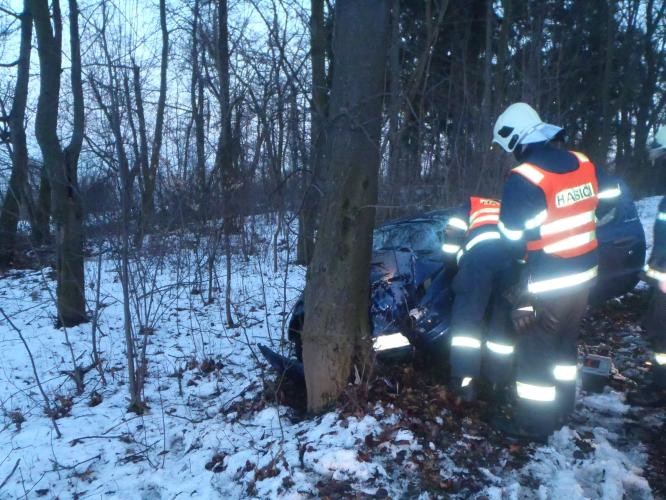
(6, 480)
(57, 466)
(74, 442)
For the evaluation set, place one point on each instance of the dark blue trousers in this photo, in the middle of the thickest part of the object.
(484, 273)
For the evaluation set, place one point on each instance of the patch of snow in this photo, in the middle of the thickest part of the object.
(647, 211)
(609, 402)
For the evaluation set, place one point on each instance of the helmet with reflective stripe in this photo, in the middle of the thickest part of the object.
(521, 124)
(659, 148)
(568, 228)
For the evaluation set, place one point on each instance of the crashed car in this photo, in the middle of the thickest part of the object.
(411, 285)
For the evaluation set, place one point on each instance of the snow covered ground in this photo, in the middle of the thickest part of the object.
(213, 429)
(647, 211)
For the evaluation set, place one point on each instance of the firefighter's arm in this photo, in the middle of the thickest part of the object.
(609, 187)
(522, 310)
(454, 234)
(523, 208)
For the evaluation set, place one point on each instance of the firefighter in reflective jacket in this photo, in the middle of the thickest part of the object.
(655, 273)
(484, 266)
(548, 219)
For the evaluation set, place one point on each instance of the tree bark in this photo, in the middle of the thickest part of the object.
(71, 300)
(19, 177)
(607, 111)
(61, 166)
(41, 233)
(197, 102)
(337, 289)
(150, 175)
(395, 105)
(224, 154)
(319, 105)
(645, 97)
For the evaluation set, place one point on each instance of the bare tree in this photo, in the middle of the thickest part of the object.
(197, 103)
(149, 168)
(61, 165)
(337, 290)
(16, 191)
(224, 167)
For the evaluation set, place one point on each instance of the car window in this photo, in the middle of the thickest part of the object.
(420, 236)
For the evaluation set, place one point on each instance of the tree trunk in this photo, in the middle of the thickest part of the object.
(40, 227)
(337, 289)
(308, 217)
(395, 107)
(607, 111)
(60, 165)
(71, 300)
(197, 102)
(150, 176)
(18, 180)
(224, 154)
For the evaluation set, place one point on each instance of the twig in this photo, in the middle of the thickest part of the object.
(6, 480)
(96, 361)
(57, 466)
(34, 371)
(76, 441)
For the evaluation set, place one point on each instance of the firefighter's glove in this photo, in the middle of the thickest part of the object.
(657, 264)
(523, 318)
(516, 295)
(549, 322)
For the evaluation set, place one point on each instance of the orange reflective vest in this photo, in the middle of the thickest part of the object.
(483, 211)
(567, 228)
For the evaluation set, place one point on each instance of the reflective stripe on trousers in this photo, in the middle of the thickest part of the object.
(498, 348)
(565, 373)
(534, 392)
(464, 341)
(567, 281)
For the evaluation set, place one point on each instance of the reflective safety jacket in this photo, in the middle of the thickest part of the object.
(656, 267)
(474, 223)
(566, 227)
(548, 216)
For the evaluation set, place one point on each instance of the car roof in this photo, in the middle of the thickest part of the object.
(436, 215)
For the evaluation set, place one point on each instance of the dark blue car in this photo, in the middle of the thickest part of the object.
(411, 294)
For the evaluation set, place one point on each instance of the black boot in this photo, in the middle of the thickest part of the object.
(530, 421)
(463, 392)
(566, 401)
(654, 393)
(649, 396)
(499, 395)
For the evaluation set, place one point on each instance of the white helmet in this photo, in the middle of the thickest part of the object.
(659, 148)
(521, 124)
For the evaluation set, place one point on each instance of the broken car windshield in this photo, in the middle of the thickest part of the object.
(417, 236)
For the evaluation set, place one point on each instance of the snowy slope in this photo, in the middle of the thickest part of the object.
(212, 430)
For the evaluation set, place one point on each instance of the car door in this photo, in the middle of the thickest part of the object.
(621, 248)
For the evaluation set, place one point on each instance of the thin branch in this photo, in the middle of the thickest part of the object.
(6, 480)
(10, 13)
(47, 402)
